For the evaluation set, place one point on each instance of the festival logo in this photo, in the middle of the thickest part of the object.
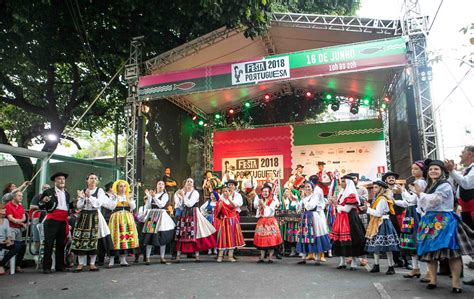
(261, 70)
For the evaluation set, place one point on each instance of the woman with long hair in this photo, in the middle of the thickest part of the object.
(348, 233)
(91, 230)
(381, 234)
(441, 233)
(158, 228)
(194, 233)
(122, 224)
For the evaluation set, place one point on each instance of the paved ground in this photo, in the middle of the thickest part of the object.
(283, 279)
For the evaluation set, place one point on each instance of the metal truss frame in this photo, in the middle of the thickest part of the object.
(339, 23)
(415, 26)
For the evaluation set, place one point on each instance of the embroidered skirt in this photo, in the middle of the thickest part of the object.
(123, 231)
(229, 234)
(348, 235)
(443, 235)
(291, 232)
(267, 233)
(409, 230)
(86, 233)
(158, 229)
(313, 234)
(386, 239)
(194, 232)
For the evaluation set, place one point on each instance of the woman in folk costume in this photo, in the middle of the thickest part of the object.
(158, 228)
(412, 216)
(207, 209)
(290, 229)
(193, 232)
(229, 233)
(381, 234)
(441, 233)
(348, 234)
(267, 233)
(91, 228)
(122, 224)
(313, 232)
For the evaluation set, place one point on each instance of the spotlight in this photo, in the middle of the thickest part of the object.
(386, 99)
(335, 105)
(201, 122)
(328, 96)
(308, 94)
(247, 104)
(194, 118)
(366, 101)
(52, 137)
(383, 106)
(205, 124)
(266, 96)
(354, 109)
(217, 116)
(231, 111)
(351, 100)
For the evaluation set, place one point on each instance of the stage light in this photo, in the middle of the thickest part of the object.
(205, 124)
(247, 104)
(386, 99)
(328, 96)
(201, 122)
(194, 118)
(231, 111)
(217, 116)
(266, 97)
(351, 100)
(335, 105)
(382, 110)
(308, 94)
(52, 137)
(354, 109)
(366, 101)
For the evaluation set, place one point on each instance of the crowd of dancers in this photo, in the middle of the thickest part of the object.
(312, 216)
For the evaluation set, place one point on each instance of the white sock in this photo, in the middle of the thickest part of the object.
(197, 254)
(342, 262)
(209, 251)
(376, 258)
(317, 257)
(111, 261)
(416, 264)
(390, 259)
(162, 251)
(148, 251)
(123, 260)
(353, 263)
(178, 253)
(93, 258)
(82, 259)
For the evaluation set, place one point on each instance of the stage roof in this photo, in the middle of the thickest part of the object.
(288, 33)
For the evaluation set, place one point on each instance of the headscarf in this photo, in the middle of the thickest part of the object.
(350, 189)
(115, 187)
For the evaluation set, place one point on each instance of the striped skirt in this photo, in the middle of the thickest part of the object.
(123, 231)
(229, 234)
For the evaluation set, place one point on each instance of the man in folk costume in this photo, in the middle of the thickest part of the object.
(348, 233)
(56, 202)
(297, 179)
(465, 190)
(324, 178)
(396, 213)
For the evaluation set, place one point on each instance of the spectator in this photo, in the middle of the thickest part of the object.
(10, 188)
(36, 217)
(15, 248)
(16, 215)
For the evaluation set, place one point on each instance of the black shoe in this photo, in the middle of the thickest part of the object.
(94, 269)
(399, 264)
(270, 261)
(46, 271)
(424, 280)
(341, 267)
(278, 256)
(390, 271)
(408, 266)
(431, 286)
(412, 276)
(303, 262)
(469, 282)
(260, 261)
(456, 291)
(352, 269)
(62, 270)
(375, 269)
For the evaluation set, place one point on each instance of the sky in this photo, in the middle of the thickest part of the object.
(453, 114)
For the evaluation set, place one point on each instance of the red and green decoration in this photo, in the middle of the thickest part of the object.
(378, 54)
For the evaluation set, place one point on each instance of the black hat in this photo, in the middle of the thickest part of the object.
(354, 174)
(232, 182)
(429, 162)
(348, 177)
(321, 163)
(381, 184)
(108, 185)
(389, 173)
(54, 176)
(299, 166)
(314, 179)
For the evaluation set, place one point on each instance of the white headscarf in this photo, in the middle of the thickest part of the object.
(350, 189)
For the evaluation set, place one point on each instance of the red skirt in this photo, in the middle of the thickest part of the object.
(199, 245)
(341, 231)
(267, 233)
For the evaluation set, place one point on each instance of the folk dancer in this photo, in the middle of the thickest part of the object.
(290, 229)
(441, 233)
(381, 235)
(207, 210)
(158, 228)
(122, 224)
(348, 233)
(193, 232)
(297, 179)
(91, 228)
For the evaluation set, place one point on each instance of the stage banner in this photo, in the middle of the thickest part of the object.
(261, 151)
(377, 54)
(351, 146)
